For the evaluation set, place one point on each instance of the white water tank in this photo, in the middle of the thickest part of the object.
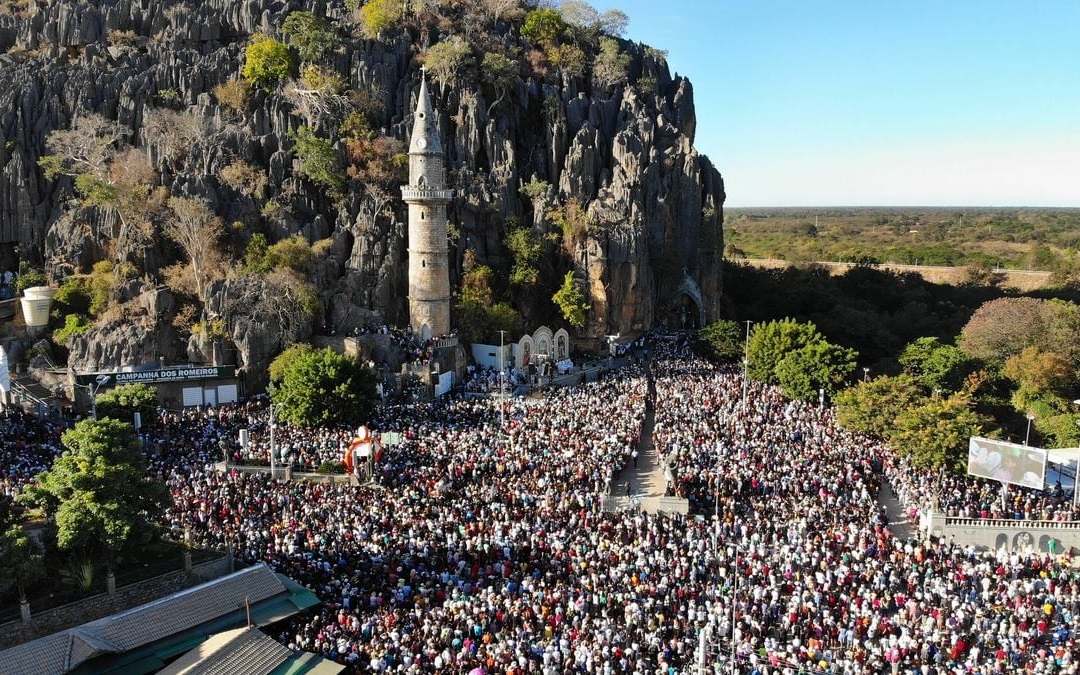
(36, 302)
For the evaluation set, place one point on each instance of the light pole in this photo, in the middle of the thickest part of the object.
(502, 392)
(1076, 471)
(746, 366)
(1027, 435)
(865, 374)
(93, 395)
(272, 449)
(734, 601)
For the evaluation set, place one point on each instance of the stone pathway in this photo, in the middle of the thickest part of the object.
(646, 479)
(902, 527)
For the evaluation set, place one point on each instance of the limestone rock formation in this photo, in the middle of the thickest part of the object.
(623, 150)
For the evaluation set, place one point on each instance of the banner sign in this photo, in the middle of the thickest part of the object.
(177, 374)
(1007, 462)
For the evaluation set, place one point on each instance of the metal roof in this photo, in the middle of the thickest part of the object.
(142, 625)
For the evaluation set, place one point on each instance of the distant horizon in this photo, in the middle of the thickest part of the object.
(902, 206)
(921, 102)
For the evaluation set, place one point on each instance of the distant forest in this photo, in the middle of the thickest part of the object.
(1046, 239)
(874, 311)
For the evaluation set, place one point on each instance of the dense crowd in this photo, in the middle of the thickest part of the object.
(27, 447)
(483, 547)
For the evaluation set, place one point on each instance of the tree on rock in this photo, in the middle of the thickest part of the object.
(571, 301)
(322, 388)
(313, 36)
(266, 61)
(97, 492)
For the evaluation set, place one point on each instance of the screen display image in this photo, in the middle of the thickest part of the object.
(1007, 462)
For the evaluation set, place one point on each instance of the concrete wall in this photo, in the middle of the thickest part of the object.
(98, 606)
(1044, 536)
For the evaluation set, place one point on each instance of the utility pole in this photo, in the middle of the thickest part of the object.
(502, 392)
(746, 367)
(272, 449)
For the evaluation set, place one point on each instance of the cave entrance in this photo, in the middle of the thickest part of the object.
(684, 313)
(687, 308)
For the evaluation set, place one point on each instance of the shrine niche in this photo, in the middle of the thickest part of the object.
(524, 353)
(542, 346)
(562, 345)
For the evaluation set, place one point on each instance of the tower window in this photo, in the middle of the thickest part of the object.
(423, 263)
(423, 215)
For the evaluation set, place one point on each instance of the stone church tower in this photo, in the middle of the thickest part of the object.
(427, 197)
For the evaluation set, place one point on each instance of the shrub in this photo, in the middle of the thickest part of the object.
(266, 61)
(74, 324)
(233, 94)
(330, 468)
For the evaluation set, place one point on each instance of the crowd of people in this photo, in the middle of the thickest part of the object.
(484, 547)
(27, 447)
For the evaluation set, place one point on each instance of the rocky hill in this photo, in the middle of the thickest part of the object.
(156, 117)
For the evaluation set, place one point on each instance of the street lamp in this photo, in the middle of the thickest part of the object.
(272, 448)
(502, 392)
(865, 374)
(1027, 436)
(746, 366)
(93, 389)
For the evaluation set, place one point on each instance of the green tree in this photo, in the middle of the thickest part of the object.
(724, 340)
(257, 258)
(525, 250)
(500, 72)
(818, 365)
(1039, 376)
(73, 296)
(573, 221)
(872, 406)
(283, 361)
(571, 301)
(935, 434)
(29, 277)
(123, 401)
(321, 387)
(318, 161)
(447, 58)
(936, 366)
(311, 35)
(21, 561)
(266, 62)
(476, 284)
(378, 16)
(98, 492)
(481, 323)
(770, 342)
(74, 324)
(541, 25)
(611, 65)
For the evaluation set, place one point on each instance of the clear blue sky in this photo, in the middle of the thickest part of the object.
(879, 102)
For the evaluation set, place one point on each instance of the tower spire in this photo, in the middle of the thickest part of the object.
(425, 131)
(427, 197)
